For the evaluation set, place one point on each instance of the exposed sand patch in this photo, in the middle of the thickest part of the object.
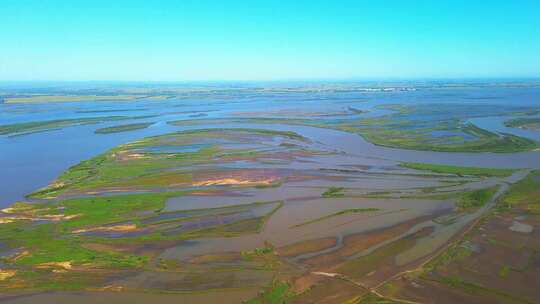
(19, 209)
(326, 274)
(124, 156)
(9, 210)
(234, 181)
(114, 288)
(58, 217)
(21, 255)
(6, 274)
(57, 184)
(6, 220)
(62, 265)
(117, 228)
(47, 217)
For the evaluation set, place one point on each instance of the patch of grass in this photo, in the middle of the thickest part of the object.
(455, 253)
(47, 243)
(53, 241)
(525, 194)
(124, 128)
(521, 122)
(94, 211)
(38, 126)
(265, 256)
(260, 251)
(504, 271)
(334, 192)
(278, 293)
(458, 170)
(476, 198)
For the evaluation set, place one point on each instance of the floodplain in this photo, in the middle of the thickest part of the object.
(280, 195)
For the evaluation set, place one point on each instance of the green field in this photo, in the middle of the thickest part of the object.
(47, 125)
(124, 128)
(522, 122)
(476, 198)
(334, 192)
(458, 170)
(525, 194)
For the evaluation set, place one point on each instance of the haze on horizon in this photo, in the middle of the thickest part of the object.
(267, 40)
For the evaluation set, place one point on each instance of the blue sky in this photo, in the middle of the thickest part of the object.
(267, 40)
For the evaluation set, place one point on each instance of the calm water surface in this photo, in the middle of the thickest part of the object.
(32, 161)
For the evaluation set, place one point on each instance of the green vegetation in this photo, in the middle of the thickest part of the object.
(81, 238)
(39, 126)
(456, 252)
(525, 194)
(440, 127)
(258, 252)
(485, 141)
(60, 242)
(505, 270)
(476, 198)
(49, 242)
(342, 212)
(278, 293)
(522, 122)
(289, 134)
(334, 192)
(124, 128)
(145, 165)
(460, 171)
(52, 242)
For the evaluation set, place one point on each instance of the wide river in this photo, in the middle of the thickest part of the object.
(31, 161)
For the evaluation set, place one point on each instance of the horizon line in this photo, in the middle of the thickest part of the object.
(340, 79)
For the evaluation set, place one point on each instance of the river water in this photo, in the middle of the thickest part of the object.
(31, 161)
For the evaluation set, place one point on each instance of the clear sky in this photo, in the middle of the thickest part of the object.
(289, 39)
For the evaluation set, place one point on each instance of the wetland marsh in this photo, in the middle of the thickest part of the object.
(270, 193)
